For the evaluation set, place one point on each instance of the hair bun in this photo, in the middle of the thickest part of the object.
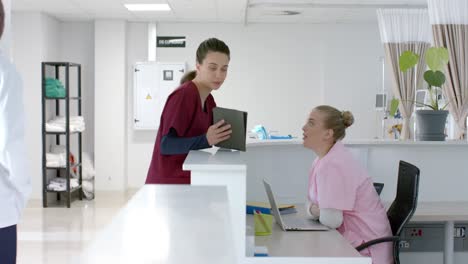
(348, 118)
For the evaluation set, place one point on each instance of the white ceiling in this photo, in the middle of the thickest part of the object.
(228, 11)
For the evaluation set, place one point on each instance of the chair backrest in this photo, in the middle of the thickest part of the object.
(404, 205)
(378, 187)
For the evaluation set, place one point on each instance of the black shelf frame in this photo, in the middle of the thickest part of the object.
(71, 190)
(67, 133)
(72, 166)
(61, 133)
(64, 98)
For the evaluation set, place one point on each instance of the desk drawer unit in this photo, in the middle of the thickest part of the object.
(429, 237)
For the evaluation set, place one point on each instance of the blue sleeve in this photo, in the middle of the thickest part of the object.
(172, 144)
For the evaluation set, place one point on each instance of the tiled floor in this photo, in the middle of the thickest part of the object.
(57, 234)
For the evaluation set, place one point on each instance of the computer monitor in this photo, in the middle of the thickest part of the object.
(421, 98)
(380, 102)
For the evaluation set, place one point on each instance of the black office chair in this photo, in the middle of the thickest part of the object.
(402, 208)
(378, 187)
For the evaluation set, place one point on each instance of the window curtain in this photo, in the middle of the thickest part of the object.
(449, 21)
(402, 30)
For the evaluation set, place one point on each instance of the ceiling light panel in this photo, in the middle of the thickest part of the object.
(147, 7)
(338, 3)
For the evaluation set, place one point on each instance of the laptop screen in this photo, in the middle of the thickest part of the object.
(274, 207)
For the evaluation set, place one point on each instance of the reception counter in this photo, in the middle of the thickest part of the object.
(373, 142)
(171, 224)
(443, 179)
(229, 169)
(206, 222)
(286, 163)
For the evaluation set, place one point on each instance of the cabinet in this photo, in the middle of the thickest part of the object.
(153, 82)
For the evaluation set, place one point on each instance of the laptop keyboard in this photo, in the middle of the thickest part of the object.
(294, 223)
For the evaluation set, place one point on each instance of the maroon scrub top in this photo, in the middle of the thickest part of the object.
(184, 113)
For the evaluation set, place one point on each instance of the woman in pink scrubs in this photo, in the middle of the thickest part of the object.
(186, 121)
(341, 194)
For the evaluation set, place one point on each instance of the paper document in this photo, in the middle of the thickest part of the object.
(267, 205)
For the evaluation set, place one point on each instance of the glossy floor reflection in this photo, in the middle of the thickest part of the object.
(58, 234)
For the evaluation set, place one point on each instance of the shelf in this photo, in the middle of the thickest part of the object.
(63, 98)
(51, 63)
(61, 71)
(62, 133)
(65, 191)
(64, 168)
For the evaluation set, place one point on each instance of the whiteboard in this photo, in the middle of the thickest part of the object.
(153, 82)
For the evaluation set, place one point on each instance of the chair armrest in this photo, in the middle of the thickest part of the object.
(377, 241)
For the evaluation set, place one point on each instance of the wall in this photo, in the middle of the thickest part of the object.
(27, 26)
(140, 142)
(110, 105)
(55, 41)
(277, 73)
(77, 45)
(353, 75)
(441, 179)
(287, 167)
(42, 30)
(271, 66)
(50, 43)
(50, 38)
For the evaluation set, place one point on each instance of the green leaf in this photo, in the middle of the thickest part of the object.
(437, 58)
(445, 106)
(394, 106)
(434, 78)
(428, 105)
(408, 59)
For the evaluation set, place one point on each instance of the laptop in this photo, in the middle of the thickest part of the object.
(291, 223)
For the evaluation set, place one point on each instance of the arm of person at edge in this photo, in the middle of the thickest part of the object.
(330, 217)
(14, 169)
(172, 144)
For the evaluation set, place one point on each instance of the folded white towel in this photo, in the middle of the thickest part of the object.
(88, 188)
(56, 160)
(88, 176)
(60, 184)
(57, 124)
(88, 167)
(58, 149)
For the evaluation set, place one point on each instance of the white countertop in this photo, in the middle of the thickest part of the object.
(377, 142)
(221, 160)
(171, 224)
(441, 212)
(330, 244)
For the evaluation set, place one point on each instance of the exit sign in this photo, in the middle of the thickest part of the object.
(170, 42)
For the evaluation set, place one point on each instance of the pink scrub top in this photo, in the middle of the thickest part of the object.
(338, 181)
(184, 113)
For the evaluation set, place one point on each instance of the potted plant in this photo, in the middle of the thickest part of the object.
(430, 123)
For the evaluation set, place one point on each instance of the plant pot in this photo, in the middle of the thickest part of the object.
(430, 125)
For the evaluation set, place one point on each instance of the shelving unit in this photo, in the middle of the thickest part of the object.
(67, 134)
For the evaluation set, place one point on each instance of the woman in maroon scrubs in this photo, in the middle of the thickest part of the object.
(186, 121)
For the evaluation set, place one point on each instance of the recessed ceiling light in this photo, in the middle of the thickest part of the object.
(148, 7)
(283, 13)
(290, 13)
